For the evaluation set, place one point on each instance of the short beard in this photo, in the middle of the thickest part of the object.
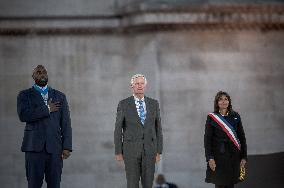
(42, 82)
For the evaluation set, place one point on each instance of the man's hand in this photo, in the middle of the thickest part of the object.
(158, 157)
(243, 162)
(65, 154)
(119, 157)
(212, 164)
(53, 106)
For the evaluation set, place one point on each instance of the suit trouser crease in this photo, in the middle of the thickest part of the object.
(142, 166)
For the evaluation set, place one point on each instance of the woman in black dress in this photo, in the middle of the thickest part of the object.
(225, 144)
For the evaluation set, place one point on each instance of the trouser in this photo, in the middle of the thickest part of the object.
(140, 167)
(40, 164)
(224, 186)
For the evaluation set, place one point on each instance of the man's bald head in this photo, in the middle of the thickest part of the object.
(40, 75)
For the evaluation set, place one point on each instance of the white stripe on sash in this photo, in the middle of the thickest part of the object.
(226, 129)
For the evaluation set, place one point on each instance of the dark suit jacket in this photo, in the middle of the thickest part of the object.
(44, 128)
(130, 136)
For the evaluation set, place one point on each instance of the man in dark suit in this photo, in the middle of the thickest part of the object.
(48, 134)
(138, 135)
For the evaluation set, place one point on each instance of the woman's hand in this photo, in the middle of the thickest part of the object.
(212, 164)
(243, 162)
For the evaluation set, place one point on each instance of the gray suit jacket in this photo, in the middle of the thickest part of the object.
(130, 136)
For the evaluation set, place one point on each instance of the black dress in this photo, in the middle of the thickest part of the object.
(219, 147)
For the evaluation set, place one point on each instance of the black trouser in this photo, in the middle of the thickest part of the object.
(42, 163)
(224, 186)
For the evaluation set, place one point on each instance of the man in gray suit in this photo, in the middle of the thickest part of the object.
(138, 135)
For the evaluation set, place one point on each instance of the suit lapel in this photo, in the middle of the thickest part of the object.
(148, 108)
(50, 94)
(37, 96)
(132, 109)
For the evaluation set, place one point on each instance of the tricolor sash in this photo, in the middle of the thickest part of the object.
(227, 128)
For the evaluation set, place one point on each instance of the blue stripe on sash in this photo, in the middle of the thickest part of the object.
(229, 125)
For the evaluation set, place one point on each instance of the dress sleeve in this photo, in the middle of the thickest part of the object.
(208, 137)
(242, 138)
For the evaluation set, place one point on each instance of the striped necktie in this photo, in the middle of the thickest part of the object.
(142, 113)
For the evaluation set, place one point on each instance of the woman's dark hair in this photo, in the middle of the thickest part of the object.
(217, 98)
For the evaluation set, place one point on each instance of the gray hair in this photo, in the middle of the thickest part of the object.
(137, 76)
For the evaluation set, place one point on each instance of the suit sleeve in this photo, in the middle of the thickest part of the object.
(118, 129)
(208, 137)
(159, 131)
(28, 113)
(66, 129)
(242, 138)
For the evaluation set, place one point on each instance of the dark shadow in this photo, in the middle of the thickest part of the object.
(264, 171)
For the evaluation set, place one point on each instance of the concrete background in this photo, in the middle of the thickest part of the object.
(185, 69)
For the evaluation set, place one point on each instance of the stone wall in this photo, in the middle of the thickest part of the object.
(185, 69)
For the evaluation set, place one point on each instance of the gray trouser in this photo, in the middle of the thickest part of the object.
(136, 167)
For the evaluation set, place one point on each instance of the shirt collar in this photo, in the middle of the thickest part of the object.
(137, 99)
(42, 88)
